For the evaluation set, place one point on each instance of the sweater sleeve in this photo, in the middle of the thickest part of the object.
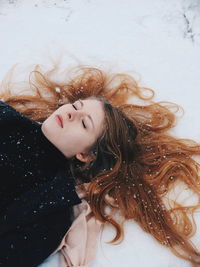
(34, 224)
(31, 244)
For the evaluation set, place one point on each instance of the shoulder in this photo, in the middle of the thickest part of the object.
(3, 105)
(9, 114)
(8, 108)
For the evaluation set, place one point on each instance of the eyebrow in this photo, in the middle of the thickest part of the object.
(88, 114)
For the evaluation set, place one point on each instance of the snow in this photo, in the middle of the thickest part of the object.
(156, 41)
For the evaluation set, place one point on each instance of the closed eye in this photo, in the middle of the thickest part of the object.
(83, 124)
(82, 120)
(74, 106)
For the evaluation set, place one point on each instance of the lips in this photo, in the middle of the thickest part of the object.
(59, 120)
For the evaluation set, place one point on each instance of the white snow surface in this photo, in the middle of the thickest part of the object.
(157, 41)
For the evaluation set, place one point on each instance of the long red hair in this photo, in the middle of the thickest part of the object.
(143, 161)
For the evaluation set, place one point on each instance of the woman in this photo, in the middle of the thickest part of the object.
(127, 155)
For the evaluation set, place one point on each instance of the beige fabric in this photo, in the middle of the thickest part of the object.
(78, 246)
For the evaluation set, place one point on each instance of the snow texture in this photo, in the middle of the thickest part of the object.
(156, 41)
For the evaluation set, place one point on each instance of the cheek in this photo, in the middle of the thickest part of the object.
(78, 144)
(84, 141)
(76, 137)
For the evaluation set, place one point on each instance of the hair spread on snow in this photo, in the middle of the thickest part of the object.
(137, 160)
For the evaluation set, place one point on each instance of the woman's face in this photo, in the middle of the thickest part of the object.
(82, 123)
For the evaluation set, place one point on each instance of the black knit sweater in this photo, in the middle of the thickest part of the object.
(36, 191)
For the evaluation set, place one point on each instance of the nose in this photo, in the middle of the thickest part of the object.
(74, 115)
(69, 116)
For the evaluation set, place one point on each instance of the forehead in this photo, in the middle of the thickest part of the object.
(92, 102)
(94, 106)
(96, 110)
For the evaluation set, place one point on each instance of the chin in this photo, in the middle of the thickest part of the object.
(44, 129)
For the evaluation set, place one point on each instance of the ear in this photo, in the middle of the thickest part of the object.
(85, 157)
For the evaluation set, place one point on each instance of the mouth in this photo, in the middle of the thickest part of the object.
(59, 120)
